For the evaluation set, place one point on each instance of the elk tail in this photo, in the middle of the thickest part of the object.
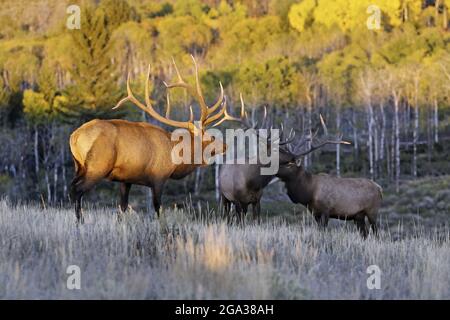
(77, 157)
(380, 189)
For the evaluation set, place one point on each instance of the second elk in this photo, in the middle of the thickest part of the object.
(328, 196)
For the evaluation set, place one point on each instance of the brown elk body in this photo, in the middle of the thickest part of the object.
(243, 184)
(328, 196)
(137, 152)
(332, 197)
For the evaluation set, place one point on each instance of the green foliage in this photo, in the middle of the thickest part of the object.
(178, 35)
(117, 12)
(350, 15)
(40, 107)
(249, 39)
(340, 71)
(193, 8)
(4, 102)
(272, 82)
(94, 90)
(36, 107)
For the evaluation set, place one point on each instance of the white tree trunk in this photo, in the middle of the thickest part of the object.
(436, 121)
(49, 191)
(383, 131)
(415, 138)
(370, 140)
(63, 172)
(338, 146)
(376, 147)
(355, 133)
(55, 182)
(416, 125)
(216, 181)
(397, 143)
(36, 151)
(308, 160)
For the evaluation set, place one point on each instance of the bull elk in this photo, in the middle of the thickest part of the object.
(327, 196)
(243, 184)
(139, 152)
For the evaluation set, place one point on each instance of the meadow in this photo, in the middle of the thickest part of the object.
(190, 253)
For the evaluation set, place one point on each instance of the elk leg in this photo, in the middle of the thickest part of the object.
(77, 189)
(78, 212)
(244, 213)
(257, 211)
(361, 223)
(324, 220)
(124, 193)
(373, 223)
(75, 196)
(227, 208)
(157, 193)
(321, 219)
(239, 212)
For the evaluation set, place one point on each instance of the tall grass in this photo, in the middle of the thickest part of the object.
(182, 257)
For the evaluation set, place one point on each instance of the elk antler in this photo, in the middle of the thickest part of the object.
(148, 108)
(207, 115)
(196, 92)
(294, 150)
(243, 116)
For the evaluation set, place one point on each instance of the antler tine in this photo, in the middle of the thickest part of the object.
(290, 138)
(206, 111)
(243, 113)
(321, 144)
(168, 106)
(218, 114)
(197, 93)
(226, 116)
(180, 79)
(191, 114)
(324, 126)
(128, 97)
(201, 100)
(282, 141)
(148, 108)
(244, 116)
(264, 119)
(219, 101)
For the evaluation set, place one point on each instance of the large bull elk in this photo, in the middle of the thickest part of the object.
(138, 152)
(327, 196)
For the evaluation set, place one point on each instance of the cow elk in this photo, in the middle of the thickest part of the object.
(327, 196)
(139, 152)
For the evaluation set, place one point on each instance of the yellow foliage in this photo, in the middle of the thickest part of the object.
(34, 104)
(300, 14)
(350, 14)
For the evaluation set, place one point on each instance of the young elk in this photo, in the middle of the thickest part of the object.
(328, 196)
(138, 152)
(243, 184)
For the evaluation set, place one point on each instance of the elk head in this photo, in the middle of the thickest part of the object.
(292, 153)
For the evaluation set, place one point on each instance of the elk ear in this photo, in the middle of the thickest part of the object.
(298, 162)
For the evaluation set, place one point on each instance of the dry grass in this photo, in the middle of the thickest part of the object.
(180, 258)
